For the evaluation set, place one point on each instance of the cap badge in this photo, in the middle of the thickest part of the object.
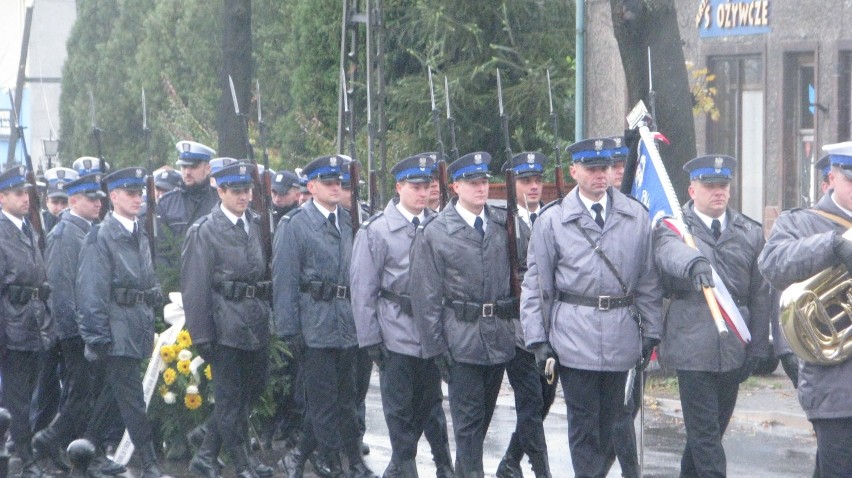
(60, 174)
(719, 162)
(187, 147)
(279, 178)
(242, 170)
(477, 158)
(60, 185)
(22, 170)
(530, 158)
(422, 162)
(97, 178)
(434, 156)
(617, 140)
(87, 163)
(164, 175)
(598, 145)
(138, 173)
(332, 161)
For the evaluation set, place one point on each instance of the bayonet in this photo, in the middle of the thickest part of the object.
(439, 141)
(150, 185)
(451, 123)
(234, 96)
(265, 181)
(511, 201)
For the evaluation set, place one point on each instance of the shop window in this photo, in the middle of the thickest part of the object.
(799, 181)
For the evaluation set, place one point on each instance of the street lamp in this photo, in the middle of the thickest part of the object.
(51, 149)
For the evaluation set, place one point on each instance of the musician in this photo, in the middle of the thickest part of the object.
(591, 277)
(710, 367)
(802, 243)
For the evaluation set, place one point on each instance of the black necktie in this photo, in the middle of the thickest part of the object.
(241, 225)
(598, 217)
(332, 220)
(416, 221)
(533, 217)
(477, 224)
(136, 231)
(716, 227)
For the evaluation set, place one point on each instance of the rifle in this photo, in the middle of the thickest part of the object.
(34, 213)
(260, 201)
(442, 162)
(560, 178)
(266, 180)
(96, 133)
(511, 201)
(354, 165)
(451, 122)
(150, 188)
(371, 160)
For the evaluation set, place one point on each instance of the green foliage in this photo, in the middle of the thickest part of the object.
(173, 50)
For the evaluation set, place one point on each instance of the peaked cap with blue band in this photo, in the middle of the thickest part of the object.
(90, 185)
(87, 165)
(127, 178)
(470, 166)
(57, 178)
(711, 168)
(190, 153)
(840, 154)
(326, 168)
(592, 151)
(237, 176)
(415, 169)
(14, 178)
(527, 164)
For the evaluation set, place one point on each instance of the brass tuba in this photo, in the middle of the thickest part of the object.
(816, 317)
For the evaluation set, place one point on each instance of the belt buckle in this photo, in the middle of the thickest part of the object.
(250, 292)
(488, 310)
(140, 297)
(604, 302)
(340, 292)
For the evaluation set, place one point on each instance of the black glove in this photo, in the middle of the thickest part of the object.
(648, 344)
(747, 368)
(377, 354)
(296, 345)
(843, 250)
(205, 351)
(156, 298)
(791, 367)
(95, 352)
(444, 363)
(542, 352)
(701, 274)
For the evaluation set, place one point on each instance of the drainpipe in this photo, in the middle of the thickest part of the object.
(580, 71)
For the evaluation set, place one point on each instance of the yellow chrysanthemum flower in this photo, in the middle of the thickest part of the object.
(208, 372)
(183, 366)
(192, 401)
(168, 353)
(183, 339)
(169, 376)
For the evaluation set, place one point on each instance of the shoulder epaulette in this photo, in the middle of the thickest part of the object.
(548, 205)
(370, 220)
(628, 196)
(426, 221)
(292, 213)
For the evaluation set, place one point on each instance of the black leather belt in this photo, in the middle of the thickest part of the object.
(403, 301)
(125, 296)
(603, 302)
(237, 290)
(322, 290)
(22, 294)
(472, 311)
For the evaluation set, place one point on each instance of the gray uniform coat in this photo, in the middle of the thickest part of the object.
(215, 250)
(690, 338)
(380, 260)
(454, 263)
(62, 257)
(307, 247)
(800, 246)
(560, 259)
(28, 327)
(112, 259)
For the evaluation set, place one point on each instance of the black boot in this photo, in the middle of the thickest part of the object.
(540, 465)
(320, 464)
(205, 461)
(29, 465)
(293, 463)
(357, 467)
(335, 468)
(150, 466)
(261, 470)
(240, 459)
(47, 443)
(443, 462)
(510, 465)
(104, 466)
(405, 469)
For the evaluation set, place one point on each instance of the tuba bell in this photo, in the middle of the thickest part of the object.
(816, 317)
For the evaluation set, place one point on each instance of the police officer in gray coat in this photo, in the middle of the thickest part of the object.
(62, 257)
(311, 255)
(27, 328)
(117, 292)
(709, 366)
(381, 304)
(461, 300)
(803, 243)
(584, 313)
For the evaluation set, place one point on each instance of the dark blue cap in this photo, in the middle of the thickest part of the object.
(711, 168)
(415, 169)
(527, 164)
(284, 180)
(823, 166)
(87, 165)
(592, 151)
(167, 179)
(90, 185)
(218, 163)
(236, 176)
(470, 166)
(326, 168)
(126, 178)
(13, 178)
(620, 149)
(190, 152)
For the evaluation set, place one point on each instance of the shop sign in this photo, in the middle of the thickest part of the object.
(718, 18)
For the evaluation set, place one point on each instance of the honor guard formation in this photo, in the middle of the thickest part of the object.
(580, 291)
